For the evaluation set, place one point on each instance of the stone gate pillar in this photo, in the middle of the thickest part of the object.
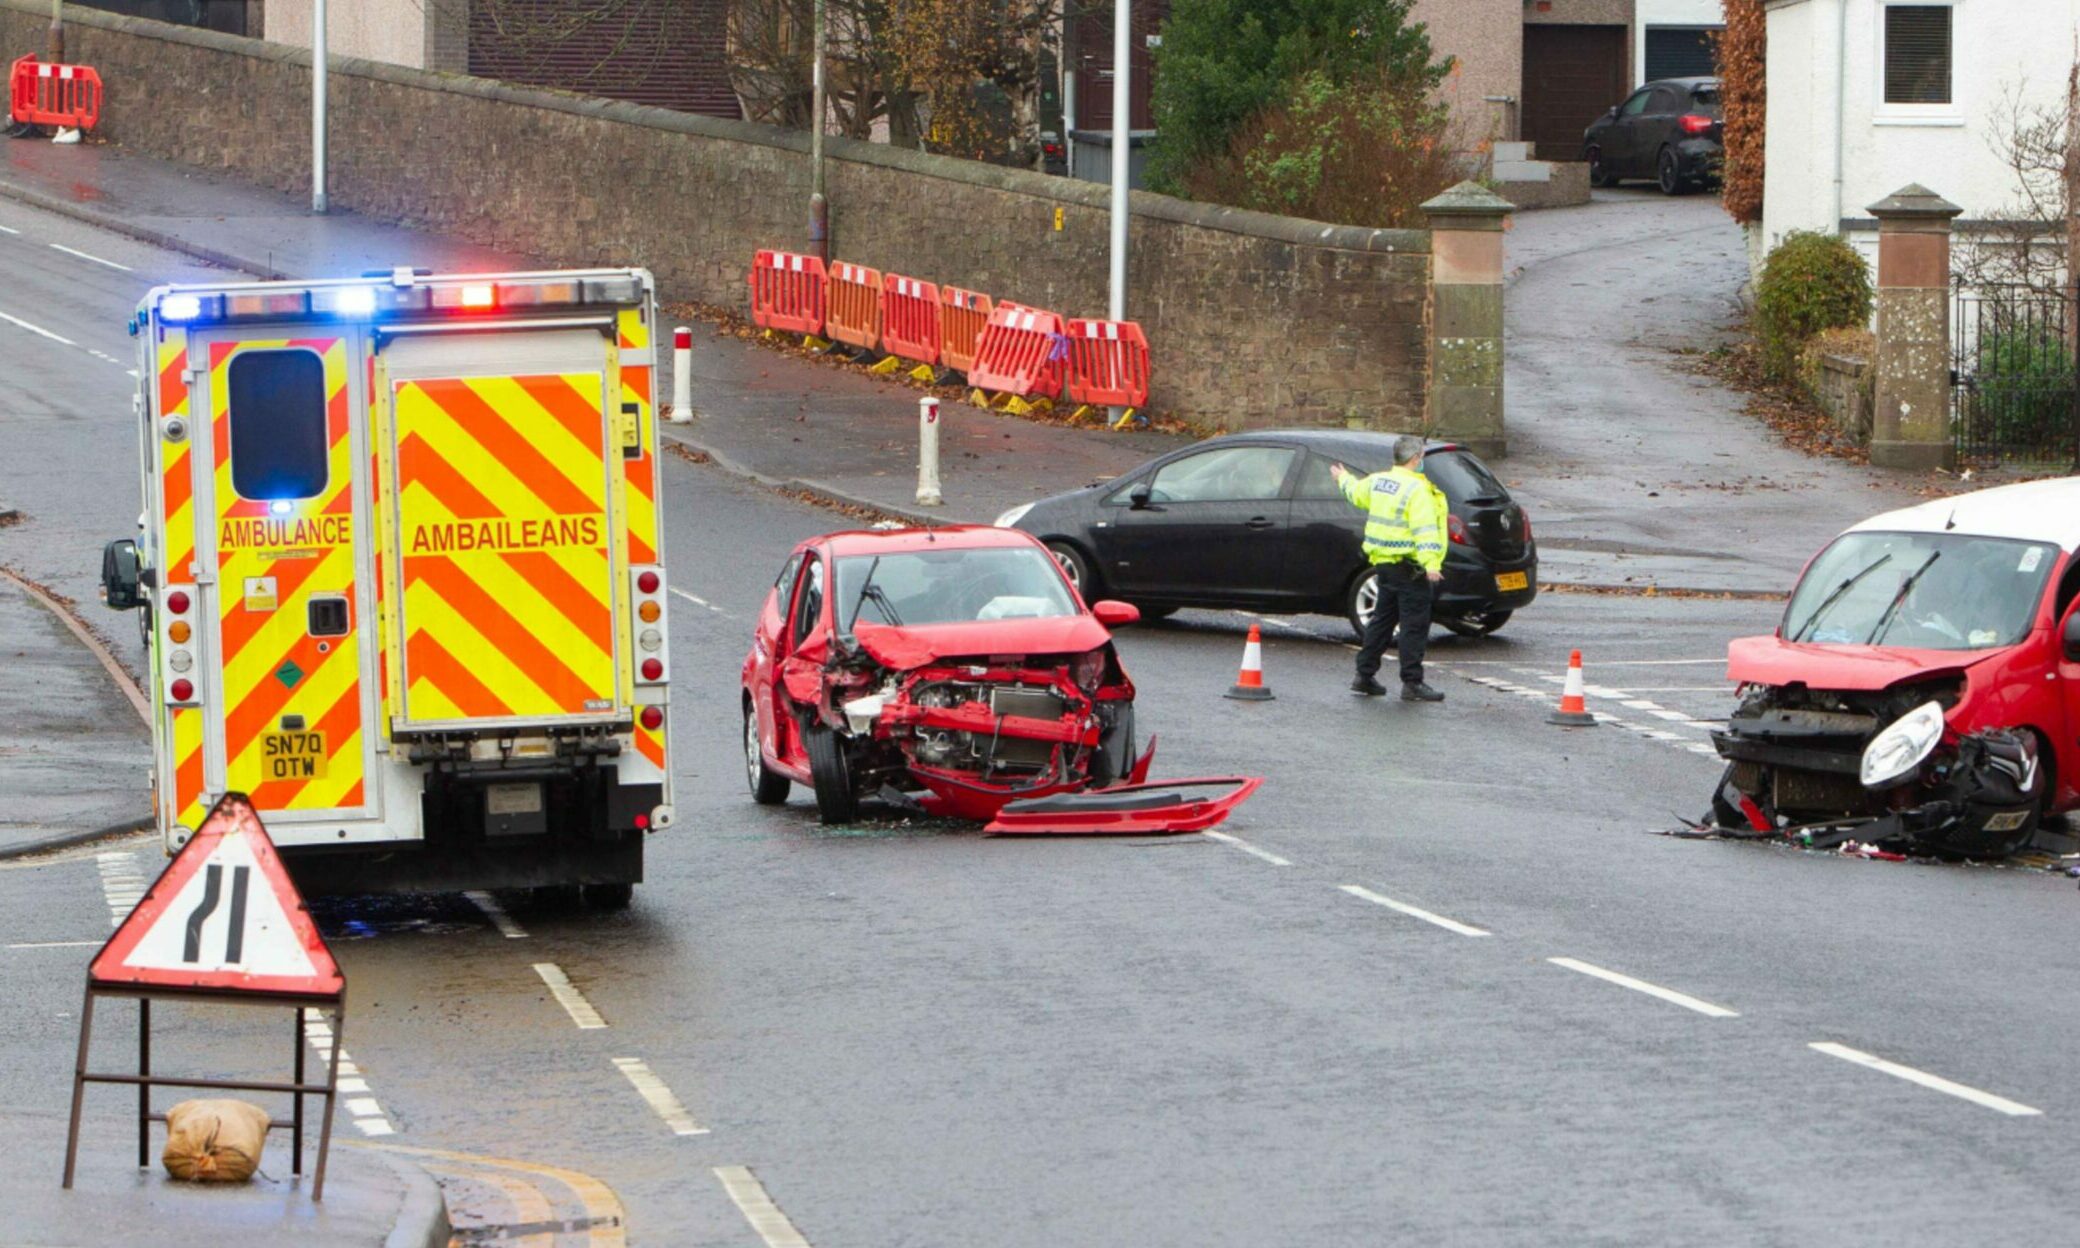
(1910, 426)
(1465, 399)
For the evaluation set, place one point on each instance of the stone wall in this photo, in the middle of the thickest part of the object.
(1842, 384)
(1253, 320)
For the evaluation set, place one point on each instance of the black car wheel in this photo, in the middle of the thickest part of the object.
(1599, 173)
(1075, 567)
(1361, 600)
(1475, 624)
(768, 787)
(1669, 173)
(835, 800)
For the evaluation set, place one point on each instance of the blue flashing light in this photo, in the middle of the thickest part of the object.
(180, 308)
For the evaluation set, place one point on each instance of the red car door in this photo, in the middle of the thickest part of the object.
(799, 637)
(2068, 619)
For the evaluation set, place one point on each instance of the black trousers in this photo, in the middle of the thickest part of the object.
(1405, 594)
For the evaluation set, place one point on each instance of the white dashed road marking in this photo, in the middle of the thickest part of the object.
(121, 883)
(37, 329)
(74, 251)
(1413, 912)
(1999, 1104)
(698, 601)
(758, 1208)
(1669, 995)
(568, 996)
(1247, 848)
(365, 1111)
(5, 229)
(660, 1097)
(497, 914)
(57, 944)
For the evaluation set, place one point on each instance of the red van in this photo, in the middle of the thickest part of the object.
(1923, 689)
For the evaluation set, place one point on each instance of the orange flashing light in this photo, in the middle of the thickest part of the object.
(649, 611)
(178, 631)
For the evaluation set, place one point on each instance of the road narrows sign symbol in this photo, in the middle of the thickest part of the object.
(223, 917)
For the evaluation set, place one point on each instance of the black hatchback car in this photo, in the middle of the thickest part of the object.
(1256, 521)
(1668, 131)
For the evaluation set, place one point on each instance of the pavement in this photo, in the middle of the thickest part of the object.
(1438, 981)
(1636, 471)
(370, 1198)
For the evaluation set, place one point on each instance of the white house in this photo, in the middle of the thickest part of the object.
(1866, 96)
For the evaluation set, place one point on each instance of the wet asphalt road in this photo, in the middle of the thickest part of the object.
(913, 1035)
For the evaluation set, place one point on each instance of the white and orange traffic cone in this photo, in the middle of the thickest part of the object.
(1249, 682)
(1573, 712)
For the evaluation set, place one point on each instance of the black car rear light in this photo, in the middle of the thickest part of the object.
(1695, 123)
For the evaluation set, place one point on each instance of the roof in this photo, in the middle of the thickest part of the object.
(1687, 84)
(2036, 511)
(897, 541)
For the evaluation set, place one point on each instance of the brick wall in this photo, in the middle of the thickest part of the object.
(1252, 320)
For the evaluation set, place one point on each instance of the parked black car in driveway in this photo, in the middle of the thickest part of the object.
(1256, 521)
(1668, 131)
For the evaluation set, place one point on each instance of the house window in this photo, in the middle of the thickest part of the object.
(1917, 54)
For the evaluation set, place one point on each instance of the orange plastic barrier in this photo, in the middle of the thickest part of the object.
(853, 314)
(54, 95)
(1108, 363)
(963, 315)
(787, 292)
(910, 319)
(1021, 352)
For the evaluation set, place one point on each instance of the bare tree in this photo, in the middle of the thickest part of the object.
(2027, 241)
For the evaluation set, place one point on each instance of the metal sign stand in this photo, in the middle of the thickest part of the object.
(144, 1080)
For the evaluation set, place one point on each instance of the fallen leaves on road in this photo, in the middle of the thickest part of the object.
(686, 452)
(1797, 420)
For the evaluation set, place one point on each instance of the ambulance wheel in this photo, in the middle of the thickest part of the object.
(836, 802)
(609, 896)
(768, 787)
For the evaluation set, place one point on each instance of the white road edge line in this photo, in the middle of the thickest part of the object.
(58, 944)
(1669, 995)
(568, 996)
(1999, 1104)
(660, 1097)
(74, 251)
(758, 1208)
(37, 329)
(8, 229)
(497, 914)
(1247, 848)
(1413, 912)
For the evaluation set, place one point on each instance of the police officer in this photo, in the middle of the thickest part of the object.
(1404, 540)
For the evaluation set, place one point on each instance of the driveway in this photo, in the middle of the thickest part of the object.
(1635, 467)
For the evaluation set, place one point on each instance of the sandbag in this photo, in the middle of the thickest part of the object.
(214, 1141)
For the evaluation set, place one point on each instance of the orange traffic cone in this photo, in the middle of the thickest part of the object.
(1249, 683)
(1573, 712)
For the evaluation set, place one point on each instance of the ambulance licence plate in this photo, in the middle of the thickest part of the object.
(293, 755)
(1506, 581)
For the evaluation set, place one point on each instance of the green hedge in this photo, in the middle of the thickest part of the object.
(1811, 282)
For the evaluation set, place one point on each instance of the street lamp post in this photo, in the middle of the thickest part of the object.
(819, 206)
(1122, 106)
(318, 59)
(57, 40)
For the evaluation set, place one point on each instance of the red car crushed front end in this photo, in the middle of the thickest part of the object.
(985, 683)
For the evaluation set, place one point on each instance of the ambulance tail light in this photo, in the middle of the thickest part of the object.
(653, 717)
(651, 625)
(176, 660)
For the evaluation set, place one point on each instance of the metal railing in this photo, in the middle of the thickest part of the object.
(2015, 380)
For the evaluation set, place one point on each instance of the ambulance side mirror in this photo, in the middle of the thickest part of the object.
(122, 576)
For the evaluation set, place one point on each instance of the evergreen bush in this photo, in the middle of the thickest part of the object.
(1810, 282)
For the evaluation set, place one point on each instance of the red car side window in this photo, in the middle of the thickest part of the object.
(808, 599)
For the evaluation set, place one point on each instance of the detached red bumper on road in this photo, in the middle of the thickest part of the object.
(1192, 805)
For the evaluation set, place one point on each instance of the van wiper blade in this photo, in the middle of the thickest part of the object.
(1827, 603)
(1892, 608)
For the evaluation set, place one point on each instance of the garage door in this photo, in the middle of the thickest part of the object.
(1572, 76)
(1680, 52)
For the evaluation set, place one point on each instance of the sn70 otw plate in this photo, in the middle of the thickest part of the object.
(293, 755)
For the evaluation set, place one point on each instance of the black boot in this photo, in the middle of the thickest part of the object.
(1420, 692)
(1368, 686)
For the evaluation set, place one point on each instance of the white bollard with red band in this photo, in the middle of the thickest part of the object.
(928, 452)
(682, 377)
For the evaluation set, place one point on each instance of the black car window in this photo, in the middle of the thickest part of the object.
(1316, 481)
(1665, 100)
(809, 602)
(1462, 477)
(1636, 105)
(1229, 474)
(1705, 100)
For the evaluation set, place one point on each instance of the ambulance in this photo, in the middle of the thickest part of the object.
(401, 574)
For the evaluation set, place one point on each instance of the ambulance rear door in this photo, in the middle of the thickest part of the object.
(282, 495)
(503, 489)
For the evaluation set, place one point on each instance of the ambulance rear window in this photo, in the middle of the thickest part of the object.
(278, 443)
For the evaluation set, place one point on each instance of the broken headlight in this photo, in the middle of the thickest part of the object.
(1902, 746)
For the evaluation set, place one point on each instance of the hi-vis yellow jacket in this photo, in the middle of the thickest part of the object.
(1407, 519)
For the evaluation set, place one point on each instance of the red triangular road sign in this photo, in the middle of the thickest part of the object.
(222, 917)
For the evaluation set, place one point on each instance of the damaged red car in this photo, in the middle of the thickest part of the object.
(954, 671)
(1922, 693)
